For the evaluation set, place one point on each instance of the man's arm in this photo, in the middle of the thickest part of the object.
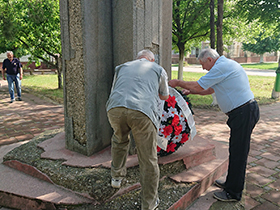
(204, 92)
(192, 87)
(21, 73)
(163, 86)
(163, 97)
(3, 73)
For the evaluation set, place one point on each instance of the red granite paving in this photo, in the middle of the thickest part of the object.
(263, 169)
(23, 120)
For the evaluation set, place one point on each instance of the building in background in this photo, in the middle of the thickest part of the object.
(233, 51)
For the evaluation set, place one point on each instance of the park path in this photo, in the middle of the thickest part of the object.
(263, 168)
(23, 120)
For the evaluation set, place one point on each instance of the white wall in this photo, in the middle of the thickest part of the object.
(4, 56)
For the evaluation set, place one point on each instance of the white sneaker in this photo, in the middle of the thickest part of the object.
(116, 183)
(157, 203)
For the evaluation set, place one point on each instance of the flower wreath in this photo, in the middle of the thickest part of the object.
(174, 125)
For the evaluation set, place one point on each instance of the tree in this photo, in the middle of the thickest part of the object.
(33, 25)
(265, 11)
(220, 45)
(212, 24)
(190, 22)
(263, 44)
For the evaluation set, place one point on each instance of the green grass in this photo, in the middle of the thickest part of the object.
(47, 85)
(264, 66)
(260, 86)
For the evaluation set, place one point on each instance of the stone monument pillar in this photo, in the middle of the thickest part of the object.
(96, 36)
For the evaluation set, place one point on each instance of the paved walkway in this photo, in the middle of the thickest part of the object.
(23, 120)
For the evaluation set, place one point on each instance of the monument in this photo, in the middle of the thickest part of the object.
(97, 36)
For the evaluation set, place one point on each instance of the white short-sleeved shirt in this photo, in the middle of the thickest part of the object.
(230, 83)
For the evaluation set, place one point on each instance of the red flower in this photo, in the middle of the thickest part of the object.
(171, 147)
(178, 129)
(167, 130)
(171, 101)
(175, 120)
(158, 148)
(185, 137)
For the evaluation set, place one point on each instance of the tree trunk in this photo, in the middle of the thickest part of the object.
(220, 45)
(181, 61)
(261, 58)
(212, 24)
(59, 72)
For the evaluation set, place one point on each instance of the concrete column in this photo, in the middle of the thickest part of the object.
(96, 36)
(87, 64)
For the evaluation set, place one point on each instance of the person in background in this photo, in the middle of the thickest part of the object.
(132, 106)
(230, 83)
(13, 68)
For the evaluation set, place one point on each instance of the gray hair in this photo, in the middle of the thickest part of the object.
(206, 53)
(145, 53)
(10, 52)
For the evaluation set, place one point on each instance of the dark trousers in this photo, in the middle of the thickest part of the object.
(241, 123)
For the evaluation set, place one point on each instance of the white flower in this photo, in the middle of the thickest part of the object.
(172, 112)
(177, 139)
(184, 125)
(164, 116)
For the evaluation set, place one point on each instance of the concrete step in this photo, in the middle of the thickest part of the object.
(203, 175)
(205, 161)
(21, 191)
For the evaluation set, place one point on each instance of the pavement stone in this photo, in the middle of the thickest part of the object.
(23, 120)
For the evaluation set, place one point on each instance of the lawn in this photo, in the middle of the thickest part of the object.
(47, 86)
(264, 66)
(260, 85)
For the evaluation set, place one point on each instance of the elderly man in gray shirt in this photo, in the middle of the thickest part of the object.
(132, 106)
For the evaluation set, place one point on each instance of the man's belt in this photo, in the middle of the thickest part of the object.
(248, 102)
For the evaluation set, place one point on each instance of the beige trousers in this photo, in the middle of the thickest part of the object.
(144, 132)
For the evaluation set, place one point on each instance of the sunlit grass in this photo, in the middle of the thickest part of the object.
(261, 87)
(46, 85)
(264, 66)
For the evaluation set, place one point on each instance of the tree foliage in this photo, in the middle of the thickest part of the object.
(263, 44)
(266, 11)
(190, 22)
(32, 27)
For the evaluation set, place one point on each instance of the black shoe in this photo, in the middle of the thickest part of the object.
(224, 196)
(18, 99)
(220, 184)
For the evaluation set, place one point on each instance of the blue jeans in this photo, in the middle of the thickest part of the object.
(11, 79)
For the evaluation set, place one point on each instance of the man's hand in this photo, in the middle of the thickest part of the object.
(186, 92)
(20, 77)
(173, 83)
